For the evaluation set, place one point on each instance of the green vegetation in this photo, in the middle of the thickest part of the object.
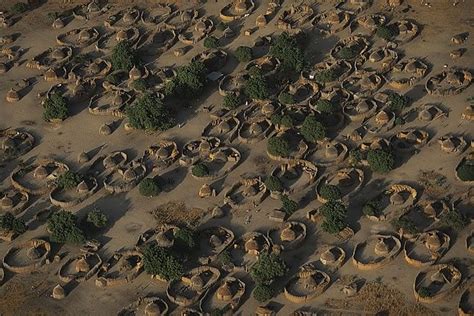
(19, 7)
(224, 258)
(312, 130)
(140, 85)
(288, 206)
(385, 32)
(397, 102)
(200, 170)
(330, 192)
(185, 238)
(465, 171)
(325, 76)
(64, 229)
(326, 106)
(371, 208)
(232, 101)
(124, 56)
(279, 146)
(68, 180)
(244, 54)
(334, 213)
(263, 293)
(287, 49)
(149, 113)
(158, 261)
(221, 26)
(113, 78)
(406, 224)
(211, 42)
(149, 187)
(348, 52)
(453, 219)
(268, 268)
(97, 218)
(380, 161)
(285, 120)
(274, 184)
(189, 81)
(256, 85)
(355, 157)
(286, 98)
(9, 223)
(424, 291)
(55, 108)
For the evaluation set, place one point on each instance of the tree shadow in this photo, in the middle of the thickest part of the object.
(172, 178)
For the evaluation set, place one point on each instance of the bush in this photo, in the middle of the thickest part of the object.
(286, 98)
(380, 161)
(287, 49)
(52, 16)
(312, 130)
(244, 54)
(278, 146)
(406, 224)
(397, 102)
(355, 157)
(221, 26)
(224, 258)
(283, 120)
(68, 180)
(97, 218)
(330, 192)
(113, 79)
(231, 101)
(149, 113)
(325, 106)
(274, 184)
(385, 32)
(256, 86)
(140, 85)
(324, 76)
(185, 238)
(55, 108)
(263, 293)
(19, 7)
(465, 171)
(124, 57)
(371, 208)
(334, 213)
(211, 42)
(200, 170)
(8, 222)
(64, 229)
(267, 268)
(189, 81)
(289, 206)
(453, 219)
(347, 53)
(149, 187)
(158, 261)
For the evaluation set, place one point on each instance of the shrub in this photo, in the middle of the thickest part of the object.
(274, 184)
(200, 170)
(211, 42)
(465, 171)
(330, 192)
(326, 106)
(149, 113)
(64, 229)
(289, 206)
(189, 81)
(399, 121)
(68, 180)
(224, 258)
(278, 146)
(19, 7)
(385, 32)
(158, 261)
(380, 161)
(347, 52)
(286, 98)
(113, 79)
(8, 222)
(221, 26)
(185, 238)
(149, 187)
(287, 49)
(256, 87)
(453, 219)
(231, 101)
(140, 85)
(406, 224)
(267, 268)
(283, 120)
(263, 293)
(324, 76)
(312, 130)
(397, 102)
(97, 218)
(52, 16)
(55, 108)
(334, 213)
(124, 57)
(244, 54)
(355, 157)
(370, 208)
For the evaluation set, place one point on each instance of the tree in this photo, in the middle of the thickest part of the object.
(9, 223)
(274, 184)
(97, 218)
(285, 120)
(19, 7)
(278, 146)
(324, 76)
(189, 81)
(267, 268)
(159, 261)
(312, 130)
(355, 157)
(68, 180)
(244, 54)
(465, 171)
(124, 57)
(200, 170)
(371, 208)
(406, 224)
(330, 192)
(334, 213)
(231, 101)
(380, 161)
(149, 187)
(224, 258)
(325, 106)
(140, 85)
(256, 87)
(385, 32)
(185, 238)
(289, 206)
(64, 229)
(453, 219)
(287, 49)
(55, 108)
(286, 98)
(397, 102)
(263, 293)
(347, 52)
(211, 42)
(149, 113)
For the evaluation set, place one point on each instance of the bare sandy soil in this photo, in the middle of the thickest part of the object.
(131, 214)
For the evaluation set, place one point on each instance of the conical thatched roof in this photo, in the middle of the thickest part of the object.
(12, 96)
(83, 157)
(433, 242)
(152, 309)
(58, 292)
(6, 202)
(82, 265)
(288, 234)
(82, 187)
(40, 172)
(105, 129)
(328, 257)
(129, 174)
(381, 247)
(397, 199)
(224, 292)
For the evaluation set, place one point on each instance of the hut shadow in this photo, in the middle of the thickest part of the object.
(417, 93)
(32, 215)
(172, 179)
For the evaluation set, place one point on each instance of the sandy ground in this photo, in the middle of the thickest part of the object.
(130, 214)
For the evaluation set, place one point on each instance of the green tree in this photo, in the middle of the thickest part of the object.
(453, 219)
(19, 7)
(211, 42)
(347, 52)
(397, 102)
(268, 268)
(334, 213)
(232, 101)
(279, 146)
(406, 224)
(189, 81)
(140, 85)
(273, 183)
(124, 57)
(312, 130)
(380, 161)
(355, 157)
(256, 87)
(287, 49)
(244, 54)
(330, 192)
(8, 222)
(200, 170)
(326, 106)
(288, 206)
(465, 171)
(325, 76)
(159, 261)
(68, 180)
(149, 113)
(55, 108)
(97, 218)
(263, 293)
(371, 208)
(149, 187)
(185, 238)
(286, 98)
(385, 32)
(64, 229)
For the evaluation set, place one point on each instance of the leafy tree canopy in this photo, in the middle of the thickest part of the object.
(267, 268)
(64, 229)
(159, 261)
(149, 113)
(287, 49)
